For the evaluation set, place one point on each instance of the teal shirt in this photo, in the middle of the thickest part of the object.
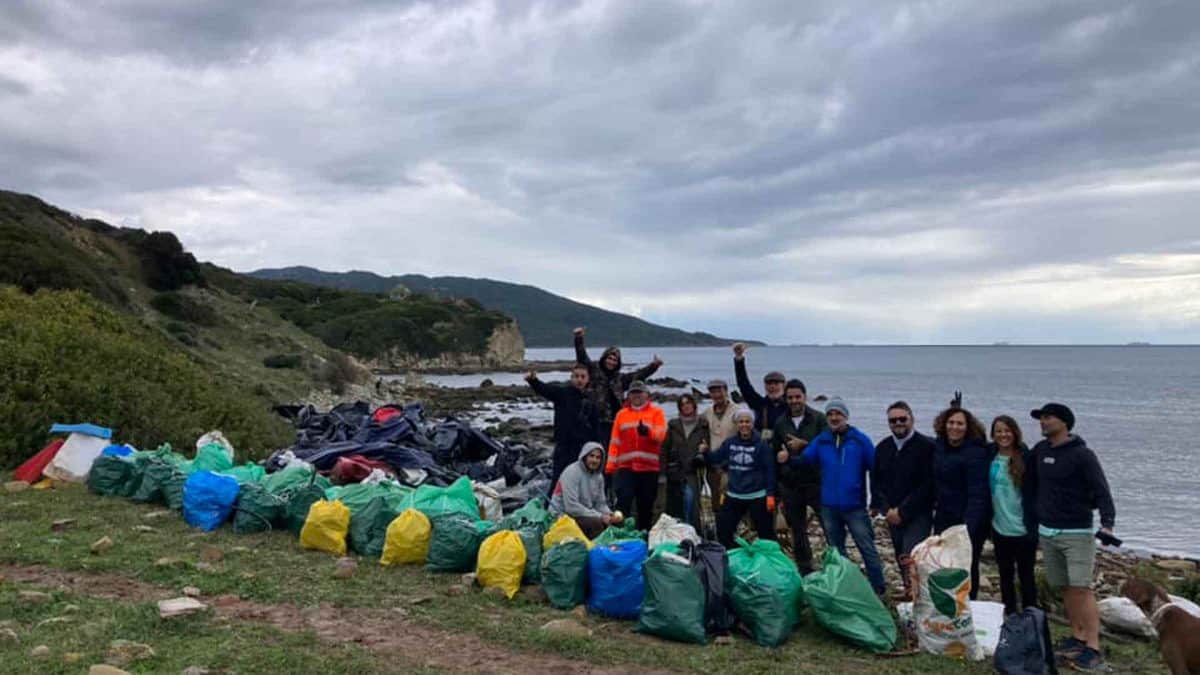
(1008, 516)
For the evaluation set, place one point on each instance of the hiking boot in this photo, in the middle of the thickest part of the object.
(1067, 649)
(1089, 661)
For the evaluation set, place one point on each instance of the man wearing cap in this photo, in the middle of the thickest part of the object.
(799, 487)
(751, 466)
(634, 452)
(846, 455)
(719, 418)
(767, 409)
(1070, 485)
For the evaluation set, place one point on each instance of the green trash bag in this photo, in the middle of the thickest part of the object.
(665, 548)
(164, 454)
(673, 606)
(299, 500)
(356, 496)
(765, 590)
(612, 534)
(295, 476)
(844, 603)
(172, 489)
(257, 510)
(246, 473)
(368, 527)
(533, 513)
(531, 537)
(110, 475)
(212, 457)
(458, 497)
(155, 473)
(564, 574)
(454, 543)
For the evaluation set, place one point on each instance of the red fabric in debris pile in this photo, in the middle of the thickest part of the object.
(386, 413)
(354, 468)
(32, 469)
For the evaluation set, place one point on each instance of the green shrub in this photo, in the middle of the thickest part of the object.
(1188, 587)
(339, 372)
(283, 361)
(68, 358)
(182, 308)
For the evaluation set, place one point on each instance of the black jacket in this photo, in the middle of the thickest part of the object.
(904, 479)
(767, 411)
(679, 448)
(1028, 489)
(795, 478)
(1070, 485)
(961, 493)
(607, 387)
(576, 419)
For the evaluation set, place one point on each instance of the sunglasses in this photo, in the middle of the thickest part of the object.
(897, 420)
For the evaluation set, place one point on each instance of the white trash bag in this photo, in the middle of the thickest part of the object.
(988, 618)
(1121, 614)
(671, 531)
(942, 609)
(218, 438)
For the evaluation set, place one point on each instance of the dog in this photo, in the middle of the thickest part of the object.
(1178, 631)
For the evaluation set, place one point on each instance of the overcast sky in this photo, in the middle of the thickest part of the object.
(794, 171)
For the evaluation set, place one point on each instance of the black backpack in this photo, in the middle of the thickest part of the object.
(711, 563)
(1024, 647)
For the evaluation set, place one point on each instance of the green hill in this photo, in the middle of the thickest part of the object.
(545, 319)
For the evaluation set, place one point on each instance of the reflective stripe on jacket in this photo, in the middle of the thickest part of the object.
(627, 449)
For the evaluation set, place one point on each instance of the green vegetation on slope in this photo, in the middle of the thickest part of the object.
(69, 358)
(545, 319)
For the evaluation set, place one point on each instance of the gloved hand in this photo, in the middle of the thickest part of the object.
(770, 504)
(642, 429)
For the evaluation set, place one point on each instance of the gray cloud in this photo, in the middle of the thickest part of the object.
(831, 161)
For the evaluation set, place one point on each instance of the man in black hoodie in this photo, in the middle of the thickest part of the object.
(575, 416)
(606, 384)
(902, 485)
(1070, 486)
(767, 409)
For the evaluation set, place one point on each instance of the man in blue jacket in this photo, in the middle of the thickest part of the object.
(846, 455)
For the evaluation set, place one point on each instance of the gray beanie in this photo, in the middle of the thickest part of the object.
(742, 412)
(836, 403)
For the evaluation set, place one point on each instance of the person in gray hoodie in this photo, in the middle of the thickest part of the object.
(579, 492)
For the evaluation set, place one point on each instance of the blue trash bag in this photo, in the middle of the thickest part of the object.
(615, 576)
(117, 451)
(208, 499)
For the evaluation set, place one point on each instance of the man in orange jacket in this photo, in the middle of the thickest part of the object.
(634, 454)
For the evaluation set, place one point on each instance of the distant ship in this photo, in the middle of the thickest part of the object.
(1137, 344)
(1002, 343)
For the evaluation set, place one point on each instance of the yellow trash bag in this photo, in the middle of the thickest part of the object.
(501, 562)
(407, 541)
(564, 528)
(325, 527)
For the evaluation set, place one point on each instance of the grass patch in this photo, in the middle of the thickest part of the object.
(270, 567)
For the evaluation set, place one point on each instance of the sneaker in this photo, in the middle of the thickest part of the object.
(1089, 661)
(1068, 648)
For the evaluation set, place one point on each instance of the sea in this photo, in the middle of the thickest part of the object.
(1138, 407)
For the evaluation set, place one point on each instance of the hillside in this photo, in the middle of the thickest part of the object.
(545, 319)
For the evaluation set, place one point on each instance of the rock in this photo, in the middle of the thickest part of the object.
(212, 554)
(205, 566)
(62, 524)
(164, 562)
(16, 486)
(345, 568)
(125, 652)
(40, 652)
(1176, 565)
(469, 579)
(154, 515)
(105, 669)
(191, 591)
(457, 590)
(421, 600)
(487, 384)
(495, 592)
(70, 609)
(9, 636)
(248, 575)
(195, 670)
(239, 549)
(401, 612)
(143, 529)
(72, 657)
(33, 597)
(569, 627)
(179, 607)
(580, 612)
(101, 545)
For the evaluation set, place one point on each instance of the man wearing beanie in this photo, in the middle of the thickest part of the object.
(1070, 484)
(845, 456)
(799, 488)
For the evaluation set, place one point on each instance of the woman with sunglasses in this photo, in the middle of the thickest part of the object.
(902, 484)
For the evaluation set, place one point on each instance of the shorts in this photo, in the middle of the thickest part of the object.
(1070, 560)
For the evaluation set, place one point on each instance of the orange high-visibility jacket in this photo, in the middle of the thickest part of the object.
(629, 450)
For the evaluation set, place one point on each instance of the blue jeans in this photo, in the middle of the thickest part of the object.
(837, 521)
